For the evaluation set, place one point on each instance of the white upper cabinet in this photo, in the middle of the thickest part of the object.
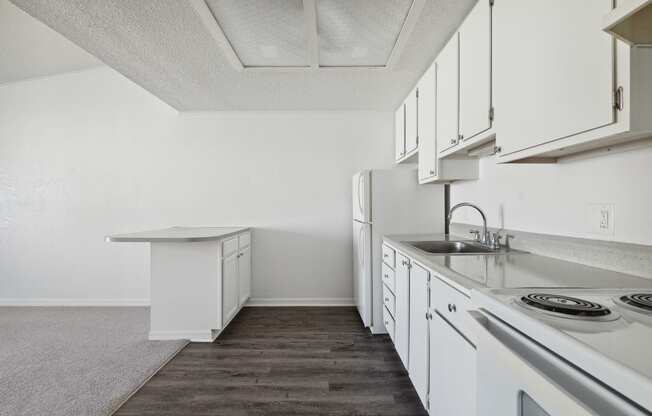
(431, 168)
(411, 122)
(426, 125)
(475, 72)
(448, 95)
(406, 130)
(555, 78)
(631, 21)
(399, 132)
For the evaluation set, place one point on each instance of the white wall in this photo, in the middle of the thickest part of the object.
(554, 198)
(87, 154)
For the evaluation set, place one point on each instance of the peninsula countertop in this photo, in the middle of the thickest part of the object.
(513, 269)
(177, 235)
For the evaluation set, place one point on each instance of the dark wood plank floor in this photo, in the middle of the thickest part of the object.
(283, 361)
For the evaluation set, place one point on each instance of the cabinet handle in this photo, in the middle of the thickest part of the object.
(452, 307)
(461, 137)
(432, 172)
(385, 255)
(386, 299)
(386, 276)
(453, 141)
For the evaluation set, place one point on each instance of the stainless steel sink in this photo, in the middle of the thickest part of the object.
(450, 247)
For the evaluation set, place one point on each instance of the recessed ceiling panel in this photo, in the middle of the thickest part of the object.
(359, 32)
(264, 33)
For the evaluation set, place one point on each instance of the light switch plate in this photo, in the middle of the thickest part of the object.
(602, 219)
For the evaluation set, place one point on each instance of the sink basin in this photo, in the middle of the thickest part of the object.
(449, 247)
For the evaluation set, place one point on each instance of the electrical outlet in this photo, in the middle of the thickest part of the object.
(602, 219)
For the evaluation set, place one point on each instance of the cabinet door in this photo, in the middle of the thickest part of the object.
(402, 321)
(244, 275)
(229, 287)
(447, 125)
(411, 122)
(418, 367)
(475, 71)
(554, 70)
(399, 131)
(452, 370)
(426, 118)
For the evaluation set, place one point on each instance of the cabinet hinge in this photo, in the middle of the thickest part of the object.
(491, 114)
(618, 99)
(491, 3)
(408, 265)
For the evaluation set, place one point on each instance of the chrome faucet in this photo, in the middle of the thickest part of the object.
(486, 238)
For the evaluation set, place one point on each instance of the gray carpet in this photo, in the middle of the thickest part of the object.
(75, 361)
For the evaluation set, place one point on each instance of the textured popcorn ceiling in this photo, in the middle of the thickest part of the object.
(163, 46)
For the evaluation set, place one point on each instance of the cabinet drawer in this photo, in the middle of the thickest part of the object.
(389, 256)
(229, 246)
(244, 240)
(389, 323)
(450, 304)
(389, 278)
(389, 300)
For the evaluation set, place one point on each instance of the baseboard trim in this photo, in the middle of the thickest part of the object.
(73, 302)
(193, 336)
(300, 302)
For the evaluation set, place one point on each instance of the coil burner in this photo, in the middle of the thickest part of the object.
(641, 302)
(565, 306)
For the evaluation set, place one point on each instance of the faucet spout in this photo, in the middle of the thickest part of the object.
(485, 234)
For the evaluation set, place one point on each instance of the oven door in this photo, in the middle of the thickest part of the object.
(518, 377)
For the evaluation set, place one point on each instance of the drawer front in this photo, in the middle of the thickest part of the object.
(229, 246)
(452, 305)
(389, 300)
(388, 319)
(389, 256)
(389, 278)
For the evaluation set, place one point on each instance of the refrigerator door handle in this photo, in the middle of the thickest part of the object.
(360, 189)
(361, 246)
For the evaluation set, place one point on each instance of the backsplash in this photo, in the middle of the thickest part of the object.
(634, 259)
(559, 198)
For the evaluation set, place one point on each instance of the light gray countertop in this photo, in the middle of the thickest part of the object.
(177, 235)
(514, 269)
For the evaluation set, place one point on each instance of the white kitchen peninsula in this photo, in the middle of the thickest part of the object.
(200, 279)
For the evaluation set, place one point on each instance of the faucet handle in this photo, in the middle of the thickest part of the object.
(476, 233)
(494, 240)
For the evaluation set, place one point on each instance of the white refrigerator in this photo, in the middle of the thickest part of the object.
(387, 202)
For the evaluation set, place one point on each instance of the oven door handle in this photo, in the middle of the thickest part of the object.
(527, 367)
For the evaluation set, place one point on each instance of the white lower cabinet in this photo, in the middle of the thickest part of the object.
(244, 274)
(236, 275)
(452, 370)
(429, 328)
(418, 356)
(229, 288)
(402, 292)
